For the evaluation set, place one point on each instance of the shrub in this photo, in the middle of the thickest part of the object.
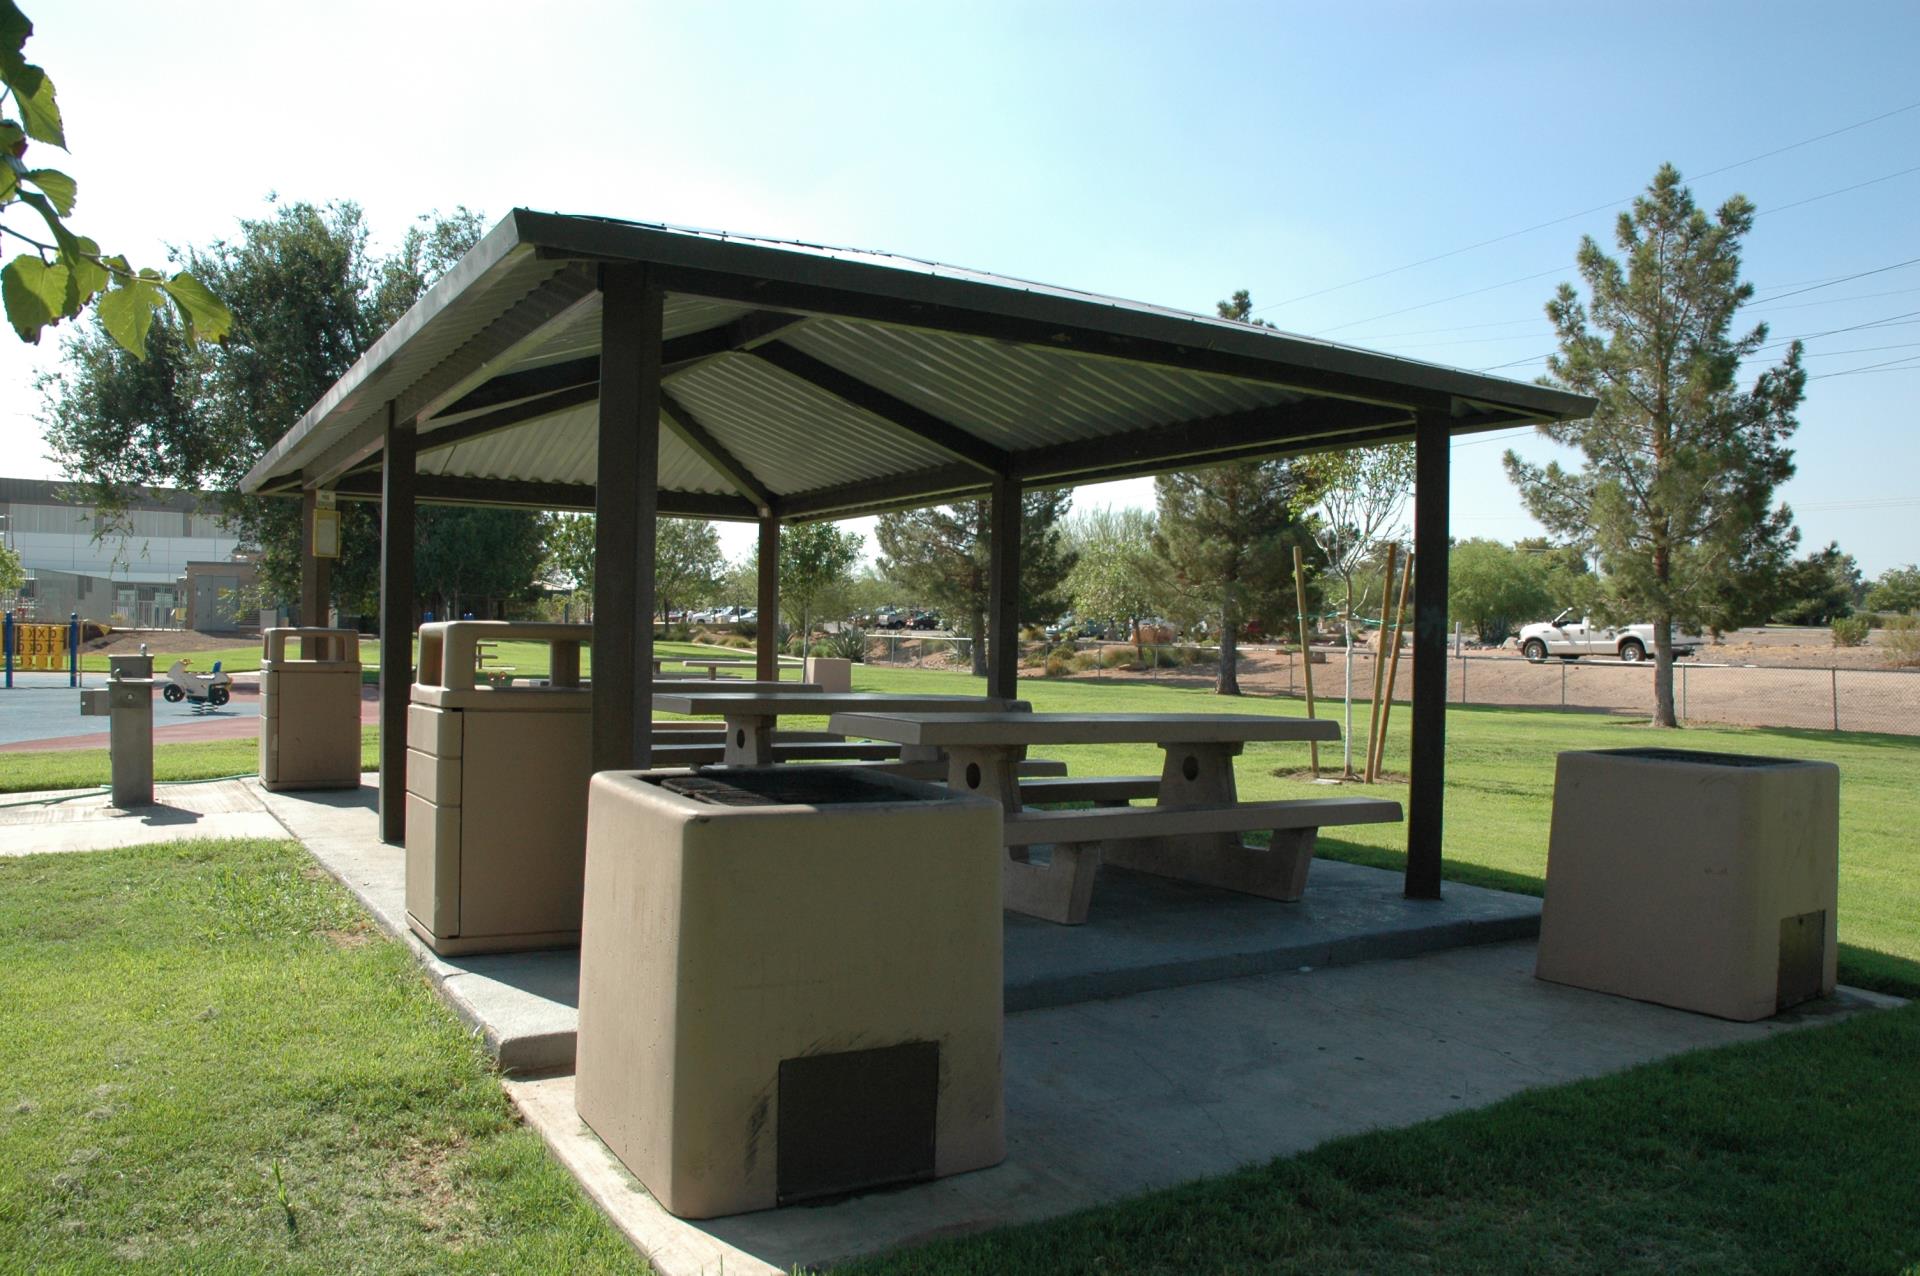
(1084, 660)
(1850, 631)
(1903, 642)
(844, 644)
(1059, 662)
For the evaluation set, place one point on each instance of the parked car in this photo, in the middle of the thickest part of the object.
(923, 620)
(1571, 639)
(889, 618)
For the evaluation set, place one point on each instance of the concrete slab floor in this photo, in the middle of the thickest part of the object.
(45, 823)
(1109, 1099)
(1142, 932)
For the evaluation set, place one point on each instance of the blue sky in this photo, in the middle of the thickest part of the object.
(1171, 153)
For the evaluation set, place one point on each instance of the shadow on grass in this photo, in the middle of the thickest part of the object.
(1452, 870)
(1882, 972)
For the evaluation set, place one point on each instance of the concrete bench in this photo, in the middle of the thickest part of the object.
(934, 770)
(1192, 843)
(1101, 790)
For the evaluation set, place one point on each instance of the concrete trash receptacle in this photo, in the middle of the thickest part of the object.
(832, 673)
(790, 983)
(310, 709)
(1706, 881)
(497, 793)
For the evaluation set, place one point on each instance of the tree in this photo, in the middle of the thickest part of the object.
(66, 270)
(1363, 495)
(1818, 589)
(308, 298)
(688, 566)
(1116, 575)
(1676, 494)
(465, 556)
(1495, 588)
(687, 563)
(940, 557)
(1897, 589)
(1226, 533)
(570, 552)
(13, 574)
(813, 558)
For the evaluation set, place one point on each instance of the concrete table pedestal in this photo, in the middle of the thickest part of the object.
(1698, 880)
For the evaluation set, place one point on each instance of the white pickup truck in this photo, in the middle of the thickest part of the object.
(1571, 639)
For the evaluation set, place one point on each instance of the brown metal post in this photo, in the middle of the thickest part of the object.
(1306, 653)
(1379, 761)
(1379, 664)
(1003, 588)
(396, 621)
(766, 646)
(626, 503)
(315, 572)
(1427, 793)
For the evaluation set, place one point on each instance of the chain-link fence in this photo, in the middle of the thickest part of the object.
(1830, 699)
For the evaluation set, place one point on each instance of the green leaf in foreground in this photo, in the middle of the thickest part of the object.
(35, 294)
(127, 314)
(59, 188)
(207, 319)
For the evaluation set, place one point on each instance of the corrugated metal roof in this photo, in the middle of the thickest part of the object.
(975, 366)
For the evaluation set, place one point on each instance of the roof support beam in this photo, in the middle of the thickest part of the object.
(507, 418)
(709, 449)
(447, 489)
(1195, 440)
(922, 487)
(676, 355)
(821, 299)
(547, 305)
(1004, 511)
(898, 413)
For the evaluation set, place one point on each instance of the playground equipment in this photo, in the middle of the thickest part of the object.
(204, 690)
(44, 648)
(127, 704)
(310, 709)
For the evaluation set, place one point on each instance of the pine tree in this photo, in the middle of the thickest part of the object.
(1227, 532)
(940, 557)
(1676, 498)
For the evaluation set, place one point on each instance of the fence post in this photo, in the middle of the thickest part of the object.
(6, 642)
(1563, 684)
(1835, 672)
(1463, 668)
(1684, 715)
(73, 649)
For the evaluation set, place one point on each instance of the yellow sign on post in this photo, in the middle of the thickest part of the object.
(326, 526)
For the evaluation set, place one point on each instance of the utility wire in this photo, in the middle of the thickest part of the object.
(1556, 269)
(1597, 208)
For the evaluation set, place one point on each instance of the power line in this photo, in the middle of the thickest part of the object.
(1814, 199)
(1497, 239)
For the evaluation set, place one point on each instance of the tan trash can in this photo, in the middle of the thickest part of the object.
(310, 709)
(497, 793)
(831, 673)
(1705, 881)
(790, 983)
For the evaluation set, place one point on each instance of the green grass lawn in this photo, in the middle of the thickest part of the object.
(164, 1101)
(212, 1063)
(201, 760)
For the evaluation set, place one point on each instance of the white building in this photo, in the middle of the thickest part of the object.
(132, 573)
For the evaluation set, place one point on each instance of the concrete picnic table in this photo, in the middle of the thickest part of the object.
(714, 665)
(1195, 840)
(751, 716)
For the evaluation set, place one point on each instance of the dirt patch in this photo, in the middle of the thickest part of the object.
(358, 936)
(421, 1179)
(126, 641)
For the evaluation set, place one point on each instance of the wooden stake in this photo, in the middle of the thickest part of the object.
(1306, 653)
(1378, 760)
(1379, 663)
